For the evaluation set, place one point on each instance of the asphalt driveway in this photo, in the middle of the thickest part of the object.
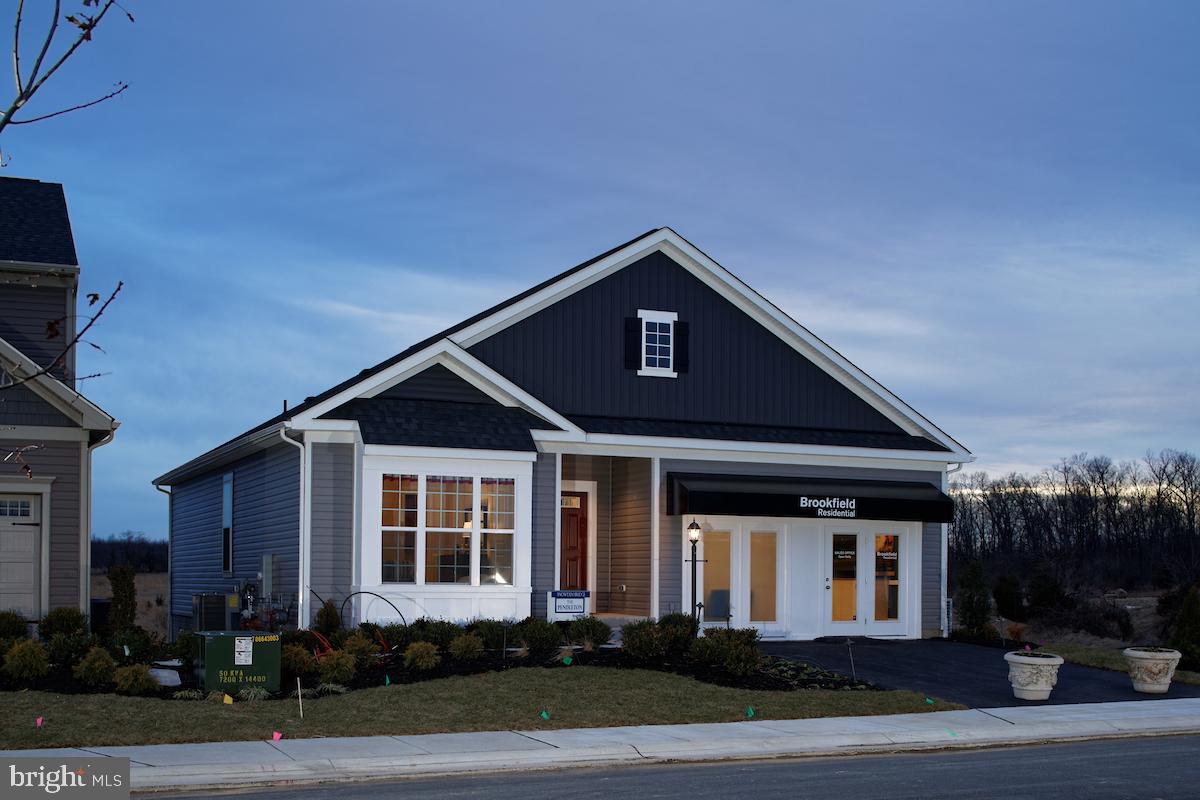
(970, 674)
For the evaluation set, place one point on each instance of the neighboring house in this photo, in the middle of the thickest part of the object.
(45, 511)
(565, 440)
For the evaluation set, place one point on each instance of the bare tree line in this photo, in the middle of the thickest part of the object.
(1094, 522)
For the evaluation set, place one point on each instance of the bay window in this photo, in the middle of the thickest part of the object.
(447, 529)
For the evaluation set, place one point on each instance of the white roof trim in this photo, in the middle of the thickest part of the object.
(680, 447)
(458, 361)
(71, 403)
(733, 289)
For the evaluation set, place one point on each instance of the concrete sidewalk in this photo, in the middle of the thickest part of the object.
(240, 764)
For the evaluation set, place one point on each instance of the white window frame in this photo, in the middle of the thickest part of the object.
(669, 317)
(375, 466)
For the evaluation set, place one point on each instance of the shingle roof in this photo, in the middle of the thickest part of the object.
(34, 226)
(754, 433)
(436, 423)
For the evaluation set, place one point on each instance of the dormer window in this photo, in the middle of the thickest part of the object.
(658, 343)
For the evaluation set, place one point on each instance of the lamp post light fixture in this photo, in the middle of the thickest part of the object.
(693, 533)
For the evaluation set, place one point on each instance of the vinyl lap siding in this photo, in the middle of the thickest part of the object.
(266, 519)
(630, 565)
(545, 509)
(24, 312)
(20, 405)
(332, 570)
(931, 579)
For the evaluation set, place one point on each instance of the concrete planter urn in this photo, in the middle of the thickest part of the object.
(1032, 675)
(1151, 668)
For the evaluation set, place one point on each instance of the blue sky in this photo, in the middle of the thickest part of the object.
(993, 208)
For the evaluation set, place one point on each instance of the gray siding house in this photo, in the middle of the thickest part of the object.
(561, 451)
(48, 430)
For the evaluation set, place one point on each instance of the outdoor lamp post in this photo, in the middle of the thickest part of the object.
(693, 532)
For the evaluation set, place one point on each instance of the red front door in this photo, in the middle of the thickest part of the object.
(573, 551)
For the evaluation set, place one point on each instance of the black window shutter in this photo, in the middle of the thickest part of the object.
(681, 347)
(633, 343)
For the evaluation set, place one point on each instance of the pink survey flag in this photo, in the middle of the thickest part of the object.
(276, 736)
(37, 723)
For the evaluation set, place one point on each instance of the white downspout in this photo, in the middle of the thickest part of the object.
(85, 585)
(170, 594)
(302, 601)
(946, 555)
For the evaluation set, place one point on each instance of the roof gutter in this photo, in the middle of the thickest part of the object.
(223, 454)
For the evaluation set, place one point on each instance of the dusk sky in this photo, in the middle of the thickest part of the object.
(993, 209)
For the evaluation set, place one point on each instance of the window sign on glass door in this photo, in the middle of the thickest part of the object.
(763, 572)
(716, 576)
(887, 577)
(844, 603)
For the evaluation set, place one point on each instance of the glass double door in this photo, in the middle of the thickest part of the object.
(863, 583)
(740, 581)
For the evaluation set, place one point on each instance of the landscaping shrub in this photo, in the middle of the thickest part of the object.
(325, 689)
(1010, 603)
(26, 661)
(63, 622)
(396, 635)
(96, 669)
(185, 648)
(538, 636)
(337, 667)
(1186, 637)
(329, 620)
(589, 632)
(370, 630)
(493, 632)
(421, 656)
(251, 693)
(643, 640)
(143, 645)
(707, 651)
(734, 649)
(1168, 607)
(438, 632)
(466, 647)
(363, 649)
(67, 649)
(972, 606)
(136, 680)
(296, 661)
(122, 613)
(12, 625)
(189, 694)
(679, 631)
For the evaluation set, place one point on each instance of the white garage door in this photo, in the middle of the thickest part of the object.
(20, 562)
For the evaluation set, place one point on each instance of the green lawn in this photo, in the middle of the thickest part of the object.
(574, 698)
(1105, 658)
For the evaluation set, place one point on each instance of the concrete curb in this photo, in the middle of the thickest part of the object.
(233, 765)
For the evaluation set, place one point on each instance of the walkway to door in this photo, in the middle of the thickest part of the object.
(970, 674)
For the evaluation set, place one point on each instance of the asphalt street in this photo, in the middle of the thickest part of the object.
(1145, 769)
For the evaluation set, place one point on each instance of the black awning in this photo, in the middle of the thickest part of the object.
(752, 496)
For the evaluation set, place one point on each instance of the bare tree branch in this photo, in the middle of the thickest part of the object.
(16, 54)
(61, 358)
(120, 88)
(29, 85)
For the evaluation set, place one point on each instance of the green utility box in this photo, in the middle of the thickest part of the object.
(229, 661)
